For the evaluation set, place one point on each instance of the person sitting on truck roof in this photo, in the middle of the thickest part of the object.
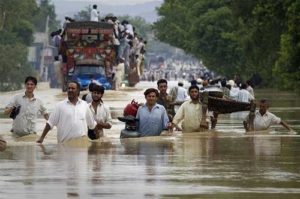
(95, 14)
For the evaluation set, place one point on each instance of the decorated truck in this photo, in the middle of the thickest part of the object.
(87, 54)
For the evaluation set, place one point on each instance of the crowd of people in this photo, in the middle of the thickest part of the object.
(163, 110)
(75, 117)
(174, 68)
(129, 46)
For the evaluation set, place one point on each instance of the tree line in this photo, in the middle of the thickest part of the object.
(242, 37)
(18, 22)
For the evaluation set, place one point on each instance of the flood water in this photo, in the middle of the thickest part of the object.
(225, 163)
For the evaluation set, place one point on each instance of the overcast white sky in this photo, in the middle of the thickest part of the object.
(114, 2)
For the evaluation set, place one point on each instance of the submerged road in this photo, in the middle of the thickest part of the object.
(225, 163)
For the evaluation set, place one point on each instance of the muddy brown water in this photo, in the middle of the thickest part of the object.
(225, 163)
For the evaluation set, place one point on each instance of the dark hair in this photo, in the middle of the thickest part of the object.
(95, 6)
(228, 86)
(161, 81)
(193, 82)
(98, 88)
(30, 78)
(77, 85)
(243, 86)
(91, 85)
(180, 84)
(223, 82)
(264, 101)
(151, 90)
(193, 87)
(249, 82)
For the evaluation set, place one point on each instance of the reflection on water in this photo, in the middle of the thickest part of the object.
(226, 163)
(191, 165)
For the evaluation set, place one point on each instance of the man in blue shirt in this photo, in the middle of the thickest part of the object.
(153, 118)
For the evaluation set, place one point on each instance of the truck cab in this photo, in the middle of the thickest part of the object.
(84, 74)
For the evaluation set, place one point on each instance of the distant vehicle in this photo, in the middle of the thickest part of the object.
(89, 55)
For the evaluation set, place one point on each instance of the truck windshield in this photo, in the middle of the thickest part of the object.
(90, 70)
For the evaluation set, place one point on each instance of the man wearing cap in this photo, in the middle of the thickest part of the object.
(100, 112)
(152, 117)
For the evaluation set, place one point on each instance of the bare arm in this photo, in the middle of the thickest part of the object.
(2, 144)
(46, 116)
(45, 131)
(246, 126)
(104, 125)
(284, 124)
(8, 110)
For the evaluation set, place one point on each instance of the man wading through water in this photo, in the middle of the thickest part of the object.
(72, 117)
(100, 112)
(29, 107)
(192, 113)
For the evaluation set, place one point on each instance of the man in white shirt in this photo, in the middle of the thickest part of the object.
(250, 88)
(94, 14)
(100, 112)
(179, 94)
(243, 95)
(234, 90)
(29, 106)
(129, 27)
(263, 119)
(191, 113)
(72, 117)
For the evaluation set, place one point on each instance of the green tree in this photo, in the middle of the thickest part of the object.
(44, 10)
(18, 21)
(234, 36)
(287, 68)
(142, 28)
(83, 15)
(259, 30)
(14, 67)
(204, 28)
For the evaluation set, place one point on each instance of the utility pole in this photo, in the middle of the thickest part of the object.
(43, 68)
